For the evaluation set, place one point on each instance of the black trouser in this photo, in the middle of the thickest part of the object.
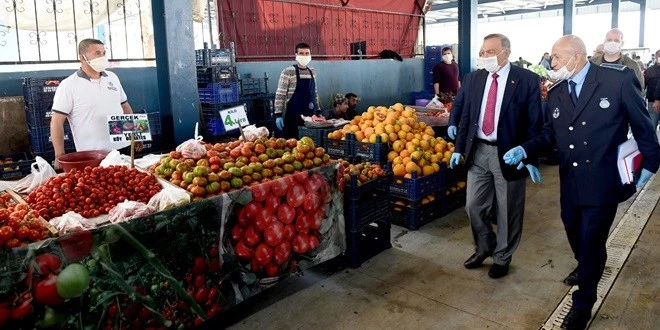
(587, 228)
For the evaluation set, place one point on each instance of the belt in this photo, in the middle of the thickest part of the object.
(486, 142)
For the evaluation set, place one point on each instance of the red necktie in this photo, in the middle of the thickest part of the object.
(489, 117)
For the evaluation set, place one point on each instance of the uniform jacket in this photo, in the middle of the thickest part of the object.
(520, 115)
(627, 61)
(588, 134)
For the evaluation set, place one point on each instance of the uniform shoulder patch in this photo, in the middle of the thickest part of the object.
(618, 67)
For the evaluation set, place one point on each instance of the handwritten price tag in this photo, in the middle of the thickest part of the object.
(233, 116)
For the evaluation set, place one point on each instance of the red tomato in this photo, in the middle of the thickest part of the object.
(4, 214)
(45, 292)
(243, 251)
(200, 281)
(303, 224)
(282, 253)
(272, 202)
(295, 195)
(300, 244)
(255, 266)
(48, 263)
(278, 187)
(259, 192)
(289, 232)
(311, 201)
(243, 219)
(214, 265)
(213, 295)
(252, 209)
(22, 310)
(316, 220)
(251, 237)
(263, 219)
(214, 310)
(274, 233)
(6, 233)
(313, 242)
(263, 254)
(76, 246)
(272, 270)
(23, 232)
(199, 265)
(236, 234)
(201, 295)
(286, 213)
(301, 177)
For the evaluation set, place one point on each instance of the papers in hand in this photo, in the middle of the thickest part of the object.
(629, 161)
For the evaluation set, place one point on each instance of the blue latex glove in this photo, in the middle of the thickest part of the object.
(279, 122)
(514, 156)
(455, 160)
(534, 172)
(451, 131)
(643, 178)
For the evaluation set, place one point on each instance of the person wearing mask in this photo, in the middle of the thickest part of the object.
(545, 61)
(339, 108)
(85, 99)
(589, 119)
(352, 105)
(502, 108)
(598, 52)
(296, 94)
(652, 80)
(612, 54)
(445, 74)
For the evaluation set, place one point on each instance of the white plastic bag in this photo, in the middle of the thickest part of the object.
(129, 210)
(41, 172)
(193, 148)
(169, 198)
(252, 133)
(70, 222)
(115, 158)
(148, 160)
(435, 103)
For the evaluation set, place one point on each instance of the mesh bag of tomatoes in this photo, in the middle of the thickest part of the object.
(19, 226)
(282, 220)
(92, 191)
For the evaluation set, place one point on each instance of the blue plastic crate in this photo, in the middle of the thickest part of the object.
(371, 152)
(154, 123)
(218, 93)
(453, 201)
(36, 90)
(339, 148)
(38, 114)
(250, 86)
(41, 142)
(17, 168)
(354, 191)
(453, 176)
(368, 242)
(415, 215)
(318, 135)
(419, 95)
(416, 188)
(213, 122)
(370, 207)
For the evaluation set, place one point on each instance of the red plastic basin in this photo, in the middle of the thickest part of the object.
(82, 159)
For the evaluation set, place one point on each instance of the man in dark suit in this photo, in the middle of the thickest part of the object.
(502, 108)
(589, 115)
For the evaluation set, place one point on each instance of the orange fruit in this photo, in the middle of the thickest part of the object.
(436, 167)
(393, 137)
(391, 155)
(397, 146)
(404, 153)
(402, 135)
(359, 135)
(424, 145)
(447, 154)
(406, 160)
(427, 170)
(384, 137)
(412, 167)
(399, 170)
(397, 160)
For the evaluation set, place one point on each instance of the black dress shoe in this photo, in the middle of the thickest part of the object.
(474, 261)
(576, 319)
(497, 271)
(572, 278)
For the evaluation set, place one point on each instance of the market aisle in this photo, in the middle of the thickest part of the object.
(421, 282)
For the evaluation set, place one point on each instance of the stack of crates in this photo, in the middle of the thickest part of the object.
(38, 94)
(366, 214)
(318, 135)
(156, 143)
(432, 56)
(340, 149)
(15, 166)
(418, 200)
(371, 152)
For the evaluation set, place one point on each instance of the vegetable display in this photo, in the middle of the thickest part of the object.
(18, 225)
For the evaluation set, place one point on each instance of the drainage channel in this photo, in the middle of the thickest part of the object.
(619, 245)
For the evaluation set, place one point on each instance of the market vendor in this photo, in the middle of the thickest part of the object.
(85, 99)
(296, 93)
(339, 108)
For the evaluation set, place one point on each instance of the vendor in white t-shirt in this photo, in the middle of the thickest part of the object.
(85, 99)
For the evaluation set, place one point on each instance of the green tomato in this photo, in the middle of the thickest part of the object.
(51, 319)
(73, 281)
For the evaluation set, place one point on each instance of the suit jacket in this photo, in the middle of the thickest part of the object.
(588, 134)
(520, 116)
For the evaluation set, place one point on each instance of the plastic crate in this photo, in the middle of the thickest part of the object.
(419, 95)
(263, 108)
(212, 121)
(219, 57)
(208, 75)
(370, 207)
(371, 152)
(416, 215)
(354, 191)
(250, 86)
(454, 176)
(38, 114)
(218, 93)
(41, 142)
(318, 135)
(339, 148)
(453, 201)
(154, 123)
(367, 242)
(18, 168)
(416, 188)
(37, 90)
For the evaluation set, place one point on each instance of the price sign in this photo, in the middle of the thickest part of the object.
(233, 116)
(120, 127)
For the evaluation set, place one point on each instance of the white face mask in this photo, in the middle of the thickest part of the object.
(563, 73)
(98, 64)
(447, 58)
(303, 60)
(489, 63)
(611, 47)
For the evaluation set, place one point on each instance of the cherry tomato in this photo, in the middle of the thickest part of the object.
(6, 233)
(286, 214)
(263, 254)
(274, 233)
(199, 265)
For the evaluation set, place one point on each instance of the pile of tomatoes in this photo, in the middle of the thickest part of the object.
(92, 191)
(283, 218)
(18, 225)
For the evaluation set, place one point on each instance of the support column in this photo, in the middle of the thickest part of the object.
(642, 21)
(569, 12)
(615, 13)
(176, 70)
(467, 30)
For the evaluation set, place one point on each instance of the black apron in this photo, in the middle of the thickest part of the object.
(302, 102)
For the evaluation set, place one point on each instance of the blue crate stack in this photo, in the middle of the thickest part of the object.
(432, 56)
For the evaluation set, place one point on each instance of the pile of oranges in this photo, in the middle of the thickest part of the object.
(414, 147)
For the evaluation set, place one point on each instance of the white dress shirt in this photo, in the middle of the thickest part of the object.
(503, 76)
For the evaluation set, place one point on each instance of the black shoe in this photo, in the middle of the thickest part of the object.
(497, 271)
(474, 261)
(576, 319)
(572, 278)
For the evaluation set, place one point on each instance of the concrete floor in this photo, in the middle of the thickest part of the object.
(421, 283)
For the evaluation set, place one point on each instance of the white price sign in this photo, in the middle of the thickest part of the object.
(233, 116)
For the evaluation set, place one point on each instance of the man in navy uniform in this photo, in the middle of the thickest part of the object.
(501, 109)
(589, 115)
